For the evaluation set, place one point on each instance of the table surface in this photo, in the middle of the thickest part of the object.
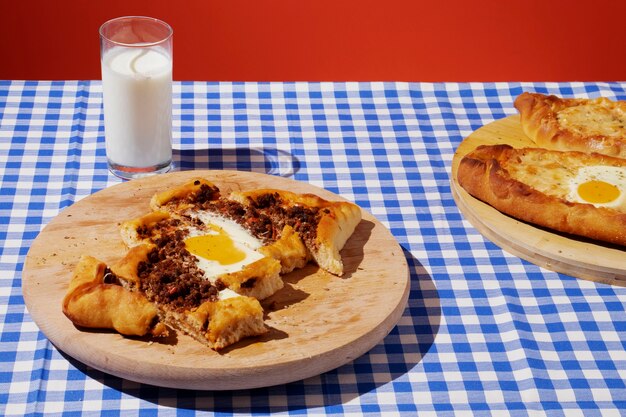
(484, 332)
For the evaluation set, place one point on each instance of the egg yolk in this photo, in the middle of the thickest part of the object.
(217, 247)
(598, 192)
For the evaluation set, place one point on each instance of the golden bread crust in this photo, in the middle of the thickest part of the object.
(289, 250)
(127, 267)
(178, 197)
(259, 279)
(528, 184)
(224, 322)
(333, 232)
(586, 125)
(90, 302)
(129, 230)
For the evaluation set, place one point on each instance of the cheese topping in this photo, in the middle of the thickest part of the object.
(593, 119)
(570, 179)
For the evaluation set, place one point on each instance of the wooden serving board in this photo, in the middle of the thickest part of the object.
(317, 322)
(578, 257)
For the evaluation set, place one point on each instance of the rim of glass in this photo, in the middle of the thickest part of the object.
(170, 31)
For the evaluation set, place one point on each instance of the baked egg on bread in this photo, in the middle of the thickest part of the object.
(221, 246)
(226, 253)
(602, 186)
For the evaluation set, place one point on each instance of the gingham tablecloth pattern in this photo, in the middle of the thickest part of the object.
(484, 333)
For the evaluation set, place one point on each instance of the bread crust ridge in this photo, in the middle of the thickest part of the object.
(579, 124)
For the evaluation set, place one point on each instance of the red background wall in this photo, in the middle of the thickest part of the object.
(410, 40)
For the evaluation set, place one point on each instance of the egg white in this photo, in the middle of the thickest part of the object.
(234, 230)
(608, 174)
(241, 238)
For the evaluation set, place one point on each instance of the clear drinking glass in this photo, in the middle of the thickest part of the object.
(136, 60)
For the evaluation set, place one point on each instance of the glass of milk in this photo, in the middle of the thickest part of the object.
(136, 59)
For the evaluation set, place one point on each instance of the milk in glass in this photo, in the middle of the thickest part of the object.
(137, 95)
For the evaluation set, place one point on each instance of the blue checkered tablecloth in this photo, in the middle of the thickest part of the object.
(484, 333)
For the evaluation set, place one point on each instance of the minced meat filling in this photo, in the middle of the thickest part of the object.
(304, 220)
(265, 217)
(162, 227)
(267, 201)
(257, 223)
(171, 276)
(206, 193)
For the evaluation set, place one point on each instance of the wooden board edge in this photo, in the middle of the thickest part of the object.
(296, 371)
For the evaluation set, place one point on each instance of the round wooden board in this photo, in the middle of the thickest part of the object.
(318, 322)
(578, 257)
